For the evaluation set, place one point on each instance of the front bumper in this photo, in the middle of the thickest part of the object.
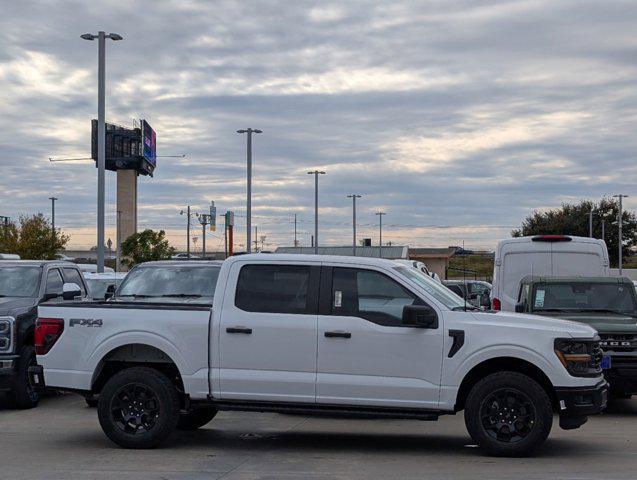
(582, 401)
(8, 371)
(36, 376)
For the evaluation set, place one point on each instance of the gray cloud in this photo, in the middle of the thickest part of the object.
(444, 114)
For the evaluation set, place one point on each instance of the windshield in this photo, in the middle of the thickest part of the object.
(168, 281)
(585, 297)
(97, 286)
(18, 281)
(433, 288)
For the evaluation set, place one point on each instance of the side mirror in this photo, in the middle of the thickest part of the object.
(110, 291)
(519, 307)
(419, 316)
(70, 291)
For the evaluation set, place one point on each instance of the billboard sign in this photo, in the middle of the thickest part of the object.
(213, 217)
(149, 144)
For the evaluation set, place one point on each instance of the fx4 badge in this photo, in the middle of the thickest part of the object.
(85, 322)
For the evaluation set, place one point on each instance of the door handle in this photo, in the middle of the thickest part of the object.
(247, 331)
(338, 334)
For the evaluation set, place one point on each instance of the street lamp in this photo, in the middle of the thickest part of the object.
(53, 199)
(354, 196)
(316, 173)
(620, 221)
(249, 131)
(101, 134)
(380, 233)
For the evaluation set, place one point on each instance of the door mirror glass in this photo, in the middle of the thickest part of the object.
(70, 291)
(419, 316)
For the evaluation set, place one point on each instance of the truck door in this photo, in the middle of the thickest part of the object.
(267, 332)
(365, 355)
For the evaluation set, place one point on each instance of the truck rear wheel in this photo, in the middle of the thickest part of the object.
(138, 408)
(508, 414)
(23, 394)
(196, 418)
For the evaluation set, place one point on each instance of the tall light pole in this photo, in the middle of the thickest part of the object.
(187, 213)
(354, 196)
(620, 221)
(380, 233)
(296, 242)
(316, 173)
(53, 199)
(249, 131)
(101, 136)
(204, 219)
(590, 224)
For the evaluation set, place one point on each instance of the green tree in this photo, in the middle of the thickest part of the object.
(572, 219)
(146, 246)
(32, 238)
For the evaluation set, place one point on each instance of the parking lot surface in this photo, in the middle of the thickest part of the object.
(61, 439)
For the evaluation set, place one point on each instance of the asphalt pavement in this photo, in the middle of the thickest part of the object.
(61, 439)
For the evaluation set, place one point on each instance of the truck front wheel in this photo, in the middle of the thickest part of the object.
(508, 414)
(23, 394)
(138, 408)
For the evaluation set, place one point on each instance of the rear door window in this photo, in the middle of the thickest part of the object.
(274, 289)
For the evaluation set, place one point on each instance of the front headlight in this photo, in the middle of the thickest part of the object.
(581, 357)
(6, 334)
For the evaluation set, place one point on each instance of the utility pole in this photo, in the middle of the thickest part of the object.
(620, 221)
(296, 242)
(249, 131)
(380, 233)
(203, 219)
(53, 199)
(590, 224)
(256, 239)
(316, 173)
(354, 196)
(101, 136)
(187, 213)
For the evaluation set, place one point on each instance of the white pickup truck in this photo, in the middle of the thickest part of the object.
(315, 335)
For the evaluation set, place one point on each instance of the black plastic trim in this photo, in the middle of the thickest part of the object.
(326, 409)
(247, 331)
(132, 305)
(581, 401)
(458, 342)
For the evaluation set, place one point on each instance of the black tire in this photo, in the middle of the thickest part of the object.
(508, 414)
(196, 418)
(91, 400)
(138, 408)
(23, 395)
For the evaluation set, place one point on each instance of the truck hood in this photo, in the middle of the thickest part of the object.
(15, 305)
(538, 322)
(603, 323)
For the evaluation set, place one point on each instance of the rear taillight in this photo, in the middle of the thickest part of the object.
(47, 332)
(495, 304)
(551, 238)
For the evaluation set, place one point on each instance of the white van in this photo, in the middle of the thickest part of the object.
(544, 255)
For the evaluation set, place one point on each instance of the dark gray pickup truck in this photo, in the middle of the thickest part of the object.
(24, 284)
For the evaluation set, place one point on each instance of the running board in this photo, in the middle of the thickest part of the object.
(320, 409)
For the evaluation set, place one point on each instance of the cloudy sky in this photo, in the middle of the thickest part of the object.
(457, 118)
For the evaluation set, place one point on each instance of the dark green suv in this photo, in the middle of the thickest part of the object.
(608, 304)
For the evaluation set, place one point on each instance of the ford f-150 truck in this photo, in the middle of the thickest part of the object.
(317, 334)
(24, 284)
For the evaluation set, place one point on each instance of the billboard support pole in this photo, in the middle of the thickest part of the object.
(101, 147)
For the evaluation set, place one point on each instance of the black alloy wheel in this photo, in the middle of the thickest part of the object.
(508, 415)
(134, 408)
